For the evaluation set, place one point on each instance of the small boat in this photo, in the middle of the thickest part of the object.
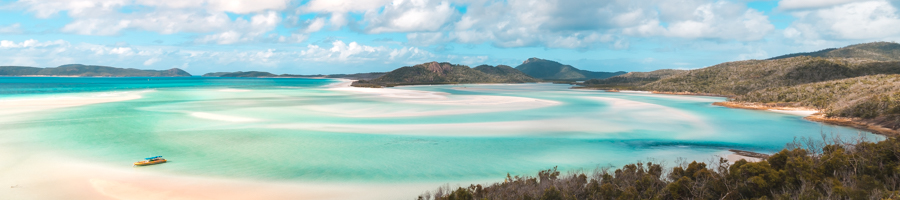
(150, 161)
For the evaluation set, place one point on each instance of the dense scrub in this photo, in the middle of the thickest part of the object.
(632, 80)
(446, 73)
(807, 170)
(875, 98)
(880, 51)
(737, 78)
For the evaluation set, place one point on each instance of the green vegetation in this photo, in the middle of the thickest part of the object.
(880, 51)
(741, 77)
(250, 74)
(632, 80)
(506, 74)
(446, 73)
(875, 98)
(552, 70)
(88, 70)
(847, 82)
(819, 170)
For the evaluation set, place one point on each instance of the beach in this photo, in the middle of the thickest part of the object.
(321, 139)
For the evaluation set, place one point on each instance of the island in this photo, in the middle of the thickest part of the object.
(79, 70)
(445, 73)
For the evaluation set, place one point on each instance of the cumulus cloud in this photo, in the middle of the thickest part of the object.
(11, 29)
(104, 17)
(808, 4)
(852, 21)
(409, 16)
(32, 43)
(588, 24)
(245, 31)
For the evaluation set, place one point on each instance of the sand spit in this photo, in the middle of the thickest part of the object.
(26, 105)
(815, 115)
(662, 114)
(484, 129)
(233, 90)
(454, 104)
(218, 117)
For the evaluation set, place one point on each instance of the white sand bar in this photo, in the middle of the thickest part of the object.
(26, 105)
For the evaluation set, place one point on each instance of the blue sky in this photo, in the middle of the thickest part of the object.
(347, 36)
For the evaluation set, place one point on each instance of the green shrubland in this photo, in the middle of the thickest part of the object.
(803, 170)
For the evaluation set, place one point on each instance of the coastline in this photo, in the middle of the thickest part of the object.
(818, 116)
(811, 114)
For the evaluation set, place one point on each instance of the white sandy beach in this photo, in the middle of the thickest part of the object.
(220, 117)
(26, 105)
(459, 104)
(33, 176)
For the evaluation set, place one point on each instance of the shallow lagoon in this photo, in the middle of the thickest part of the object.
(317, 131)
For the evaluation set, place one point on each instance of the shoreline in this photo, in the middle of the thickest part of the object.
(818, 116)
(811, 114)
(652, 92)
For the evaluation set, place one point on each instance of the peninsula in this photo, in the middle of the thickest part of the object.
(854, 85)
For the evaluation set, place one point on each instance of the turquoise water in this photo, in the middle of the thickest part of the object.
(303, 130)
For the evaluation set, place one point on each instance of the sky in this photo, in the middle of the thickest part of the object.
(350, 36)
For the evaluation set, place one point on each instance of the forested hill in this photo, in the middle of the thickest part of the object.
(552, 70)
(741, 77)
(506, 74)
(446, 73)
(875, 98)
(856, 87)
(250, 74)
(632, 80)
(89, 70)
(879, 51)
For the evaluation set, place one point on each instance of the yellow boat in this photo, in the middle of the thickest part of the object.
(150, 161)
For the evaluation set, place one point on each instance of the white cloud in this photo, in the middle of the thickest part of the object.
(315, 25)
(7, 44)
(11, 29)
(807, 4)
(104, 17)
(409, 15)
(339, 9)
(852, 21)
(151, 61)
(245, 31)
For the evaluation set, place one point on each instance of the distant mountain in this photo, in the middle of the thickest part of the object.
(552, 70)
(250, 74)
(880, 51)
(446, 73)
(506, 74)
(89, 70)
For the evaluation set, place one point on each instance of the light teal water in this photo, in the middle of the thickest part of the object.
(299, 129)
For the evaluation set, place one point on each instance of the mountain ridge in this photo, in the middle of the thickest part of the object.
(89, 71)
(447, 73)
(552, 70)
